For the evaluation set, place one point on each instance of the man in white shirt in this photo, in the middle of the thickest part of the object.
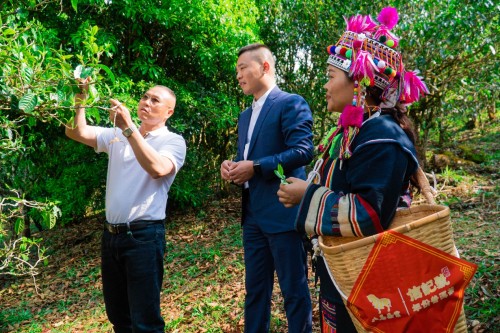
(142, 165)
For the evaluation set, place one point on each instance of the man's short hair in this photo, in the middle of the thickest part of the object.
(253, 47)
(264, 54)
(170, 91)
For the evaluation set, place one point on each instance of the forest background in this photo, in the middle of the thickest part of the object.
(50, 184)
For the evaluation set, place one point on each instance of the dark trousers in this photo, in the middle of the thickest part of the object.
(132, 276)
(265, 253)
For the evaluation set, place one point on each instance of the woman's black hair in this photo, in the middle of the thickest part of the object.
(398, 112)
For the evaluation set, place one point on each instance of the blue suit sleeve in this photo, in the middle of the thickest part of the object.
(296, 128)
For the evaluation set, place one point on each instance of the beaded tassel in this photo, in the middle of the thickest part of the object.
(348, 136)
(351, 120)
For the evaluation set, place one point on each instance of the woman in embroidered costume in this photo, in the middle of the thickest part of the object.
(369, 159)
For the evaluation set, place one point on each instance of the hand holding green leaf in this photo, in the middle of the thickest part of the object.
(281, 174)
(82, 72)
(83, 77)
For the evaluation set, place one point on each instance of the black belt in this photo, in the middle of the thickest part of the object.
(116, 228)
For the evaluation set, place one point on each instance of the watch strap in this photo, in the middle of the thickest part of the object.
(256, 167)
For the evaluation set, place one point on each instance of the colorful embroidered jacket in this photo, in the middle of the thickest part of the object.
(359, 196)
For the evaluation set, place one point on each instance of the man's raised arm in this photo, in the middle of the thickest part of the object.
(78, 130)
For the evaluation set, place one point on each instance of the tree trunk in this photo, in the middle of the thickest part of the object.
(492, 111)
(27, 229)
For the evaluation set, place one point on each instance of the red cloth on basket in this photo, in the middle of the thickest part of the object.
(409, 286)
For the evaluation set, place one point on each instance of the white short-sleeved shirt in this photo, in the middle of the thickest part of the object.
(131, 193)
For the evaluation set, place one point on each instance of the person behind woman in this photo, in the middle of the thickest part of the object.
(369, 159)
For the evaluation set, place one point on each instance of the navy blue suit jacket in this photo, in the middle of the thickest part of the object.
(282, 134)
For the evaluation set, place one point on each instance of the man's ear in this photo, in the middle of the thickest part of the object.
(266, 66)
(170, 112)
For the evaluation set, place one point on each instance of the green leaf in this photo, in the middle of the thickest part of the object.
(81, 72)
(280, 169)
(74, 4)
(279, 172)
(19, 225)
(86, 72)
(28, 102)
(27, 74)
(60, 90)
(9, 32)
(108, 71)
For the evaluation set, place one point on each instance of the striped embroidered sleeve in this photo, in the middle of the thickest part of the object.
(356, 217)
(366, 200)
(318, 212)
(324, 212)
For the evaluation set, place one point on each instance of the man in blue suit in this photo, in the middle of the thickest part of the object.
(276, 129)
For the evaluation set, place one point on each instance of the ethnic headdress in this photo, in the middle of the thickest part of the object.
(366, 50)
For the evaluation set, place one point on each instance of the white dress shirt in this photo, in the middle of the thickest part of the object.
(256, 108)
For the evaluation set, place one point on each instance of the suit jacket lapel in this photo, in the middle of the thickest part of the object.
(262, 116)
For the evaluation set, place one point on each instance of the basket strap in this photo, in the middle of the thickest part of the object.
(427, 191)
(314, 176)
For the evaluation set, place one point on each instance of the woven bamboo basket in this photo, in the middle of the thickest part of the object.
(346, 256)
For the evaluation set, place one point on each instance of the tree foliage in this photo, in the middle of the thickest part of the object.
(126, 46)
(452, 43)
(454, 46)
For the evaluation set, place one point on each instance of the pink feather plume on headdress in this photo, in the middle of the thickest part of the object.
(389, 17)
(413, 88)
(360, 24)
(363, 66)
